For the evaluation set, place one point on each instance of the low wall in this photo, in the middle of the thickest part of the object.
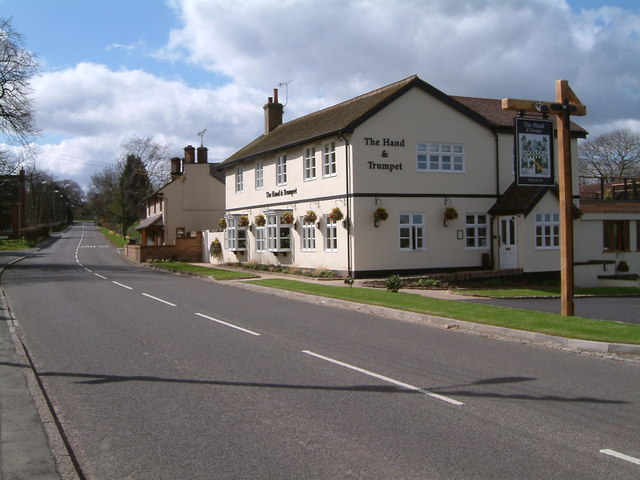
(187, 249)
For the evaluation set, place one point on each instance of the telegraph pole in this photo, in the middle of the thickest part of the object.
(566, 104)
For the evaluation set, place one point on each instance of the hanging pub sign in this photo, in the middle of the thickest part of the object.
(534, 152)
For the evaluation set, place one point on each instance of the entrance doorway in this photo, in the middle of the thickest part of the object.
(508, 244)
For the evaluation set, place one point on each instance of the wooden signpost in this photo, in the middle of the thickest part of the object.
(566, 104)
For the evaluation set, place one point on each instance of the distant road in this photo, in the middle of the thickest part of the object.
(158, 376)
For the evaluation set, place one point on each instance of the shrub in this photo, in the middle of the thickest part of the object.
(394, 283)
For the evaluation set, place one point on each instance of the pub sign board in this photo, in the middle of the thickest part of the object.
(534, 152)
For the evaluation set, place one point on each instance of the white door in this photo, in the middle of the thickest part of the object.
(508, 245)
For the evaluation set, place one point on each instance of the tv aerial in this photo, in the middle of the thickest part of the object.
(201, 135)
(286, 85)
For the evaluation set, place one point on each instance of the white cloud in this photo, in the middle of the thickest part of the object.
(332, 50)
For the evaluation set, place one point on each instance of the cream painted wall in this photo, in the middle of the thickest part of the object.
(194, 201)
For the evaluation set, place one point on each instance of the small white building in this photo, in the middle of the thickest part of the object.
(437, 169)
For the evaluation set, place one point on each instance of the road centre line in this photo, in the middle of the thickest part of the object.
(228, 324)
(88, 270)
(101, 276)
(159, 299)
(385, 379)
(122, 285)
(621, 456)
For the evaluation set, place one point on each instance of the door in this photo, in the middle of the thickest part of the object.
(508, 245)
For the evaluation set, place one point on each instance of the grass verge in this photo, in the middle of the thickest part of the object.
(215, 273)
(548, 292)
(117, 240)
(6, 245)
(541, 322)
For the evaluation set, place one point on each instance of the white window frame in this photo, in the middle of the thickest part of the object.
(476, 231)
(411, 229)
(330, 234)
(329, 160)
(547, 231)
(234, 235)
(308, 237)
(239, 179)
(278, 234)
(281, 170)
(261, 239)
(259, 174)
(309, 164)
(440, 157)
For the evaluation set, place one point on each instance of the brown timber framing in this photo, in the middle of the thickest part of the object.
(566, 104)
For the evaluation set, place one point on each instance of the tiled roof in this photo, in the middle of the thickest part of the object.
(519, 199)
(346, 116)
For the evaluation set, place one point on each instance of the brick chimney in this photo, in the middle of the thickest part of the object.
(176, 167)
(273, 112)
(189, 154)
(202, 154)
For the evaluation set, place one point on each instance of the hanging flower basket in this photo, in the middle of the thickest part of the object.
(260, 220)
(450, 213)
(243, 221)
(380, 214)
(310, 217)
(287, 217)
(336, 215)
(622, 266)
(216, 247)
(222, 223)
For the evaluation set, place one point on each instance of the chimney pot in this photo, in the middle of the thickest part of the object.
(202, 155)
(273, 111)
(189, 154)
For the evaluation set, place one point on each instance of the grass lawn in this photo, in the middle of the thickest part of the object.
(215, 273)
(13, 245)
(548, 292)
(541, 322)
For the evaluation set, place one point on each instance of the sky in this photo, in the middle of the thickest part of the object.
(114, 69)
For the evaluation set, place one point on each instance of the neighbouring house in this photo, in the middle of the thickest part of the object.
(404, 179)
(178, 212)
(12, 205)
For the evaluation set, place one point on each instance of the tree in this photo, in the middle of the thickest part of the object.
(134, 188)
(17, 67)
(104, 196)
(612, 155)
(154, 156)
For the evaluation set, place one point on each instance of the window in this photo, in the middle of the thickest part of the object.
(308, 236)
(615, 235)
(259, 174)
(440, 157)
(547, 230)
(281, 170)
(261, 244)
(278, 233)
(330, 235)
(235, 235)
(476, 230)
(310, 163)
(329, 160)
(411, 231)
(180, 232)
(239, 179)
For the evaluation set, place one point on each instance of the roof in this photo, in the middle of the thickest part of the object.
(519, 199)
(346, 116)
(154, 220)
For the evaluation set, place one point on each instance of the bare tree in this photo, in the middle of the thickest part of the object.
(17, 67)
(154, 155)
(612, 155)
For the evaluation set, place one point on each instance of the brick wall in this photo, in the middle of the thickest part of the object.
(187, 249)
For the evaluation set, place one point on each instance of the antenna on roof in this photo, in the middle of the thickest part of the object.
(286, 85)
(201, 134)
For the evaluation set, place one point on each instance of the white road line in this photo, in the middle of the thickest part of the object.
(621, 456)
(159, 299)
(101, 276)
(228, 324)
(88, 270)
(122, 285)
(386, 379)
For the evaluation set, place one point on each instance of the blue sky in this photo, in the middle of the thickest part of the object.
(116, 68)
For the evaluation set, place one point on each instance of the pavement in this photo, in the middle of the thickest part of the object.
(32, 448)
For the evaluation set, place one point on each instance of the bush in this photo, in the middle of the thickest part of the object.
(34, 235)
(394, 283)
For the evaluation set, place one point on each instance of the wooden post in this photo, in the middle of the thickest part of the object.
(566, 104)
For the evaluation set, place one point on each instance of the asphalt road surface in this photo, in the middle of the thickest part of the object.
(157, 376)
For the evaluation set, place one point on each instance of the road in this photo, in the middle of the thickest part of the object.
(157, 376)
